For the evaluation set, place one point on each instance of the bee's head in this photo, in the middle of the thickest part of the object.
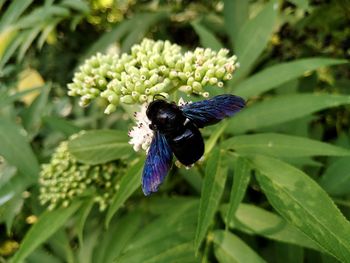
(154, 107)
(163, 115)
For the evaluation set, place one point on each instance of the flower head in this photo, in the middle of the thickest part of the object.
(153, 67)
(64, 180)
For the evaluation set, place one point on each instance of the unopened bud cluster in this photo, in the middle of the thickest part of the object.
(64, 180)
(153, 67)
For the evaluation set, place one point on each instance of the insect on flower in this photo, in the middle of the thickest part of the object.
(176, 131)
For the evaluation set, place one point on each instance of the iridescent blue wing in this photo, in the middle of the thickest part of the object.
(211, 111)
(157, 164)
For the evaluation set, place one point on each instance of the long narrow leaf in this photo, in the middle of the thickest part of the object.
(130, 182)
(253, 38)
(235, 15)
(282, 109)
(281, 145)
(117, 237)
(240, 183)
(254, 220)
(83, 213)
(14, 11)
(276, 75)
(336, 178)
(33, 115)
(213, 186)
(303, 203)
(100, 146)
(15, 148)
(165, 236)
(229, 248)
(207, 38)
(48, 223)
(141, 26)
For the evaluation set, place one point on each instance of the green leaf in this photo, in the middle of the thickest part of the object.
(43, 13)
(193, 178)
(229, 248)
(241, 179)
(15, 148)
(214, 137)
(11, 48)
(206, 38)
(13, 12)
(33, 115)
(303, 203)
(282, 109)
(165, 251)
(159, 205)
(42, 255)
(291, 254)
(15, 185)
(183, 252)
(47, 29)
(235, 15)
(281, 145)
(2, 2)
(164, 236)
(29, 37)
(100, 146)
(141, 26)
(117, 237)
(129, 183)
(276, 75)
(177, 225)
(61, 125)
(336, 178)
(6, 99)
(86, 250)
(304, 4)
(49, 222)
(83, 213)
(59, 244)
(9, 211)
(254, 220)
(78, 5)
(213, 187)
(253, 38)
(114, 36)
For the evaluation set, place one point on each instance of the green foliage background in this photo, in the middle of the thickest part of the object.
(275, 184)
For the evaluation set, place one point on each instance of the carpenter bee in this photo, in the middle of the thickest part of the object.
(176, 131)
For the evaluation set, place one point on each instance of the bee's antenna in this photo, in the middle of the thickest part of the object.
(158, 95)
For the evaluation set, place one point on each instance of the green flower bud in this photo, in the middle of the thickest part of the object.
(110, 108)
(220, 84)
(219, 73)
(197, 87)
(213, 81)
(127, 99)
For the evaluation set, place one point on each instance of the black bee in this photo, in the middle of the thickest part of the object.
(176, 130)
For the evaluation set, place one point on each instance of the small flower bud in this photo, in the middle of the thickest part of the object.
(110, 108)
(127, 99)
(213, 81)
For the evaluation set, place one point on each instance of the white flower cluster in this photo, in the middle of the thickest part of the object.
(153, 67)
(141, 135)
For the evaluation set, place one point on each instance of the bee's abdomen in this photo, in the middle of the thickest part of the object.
(188, 147)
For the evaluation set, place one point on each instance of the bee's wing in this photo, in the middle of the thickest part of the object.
(157, 164)
(211, 111)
